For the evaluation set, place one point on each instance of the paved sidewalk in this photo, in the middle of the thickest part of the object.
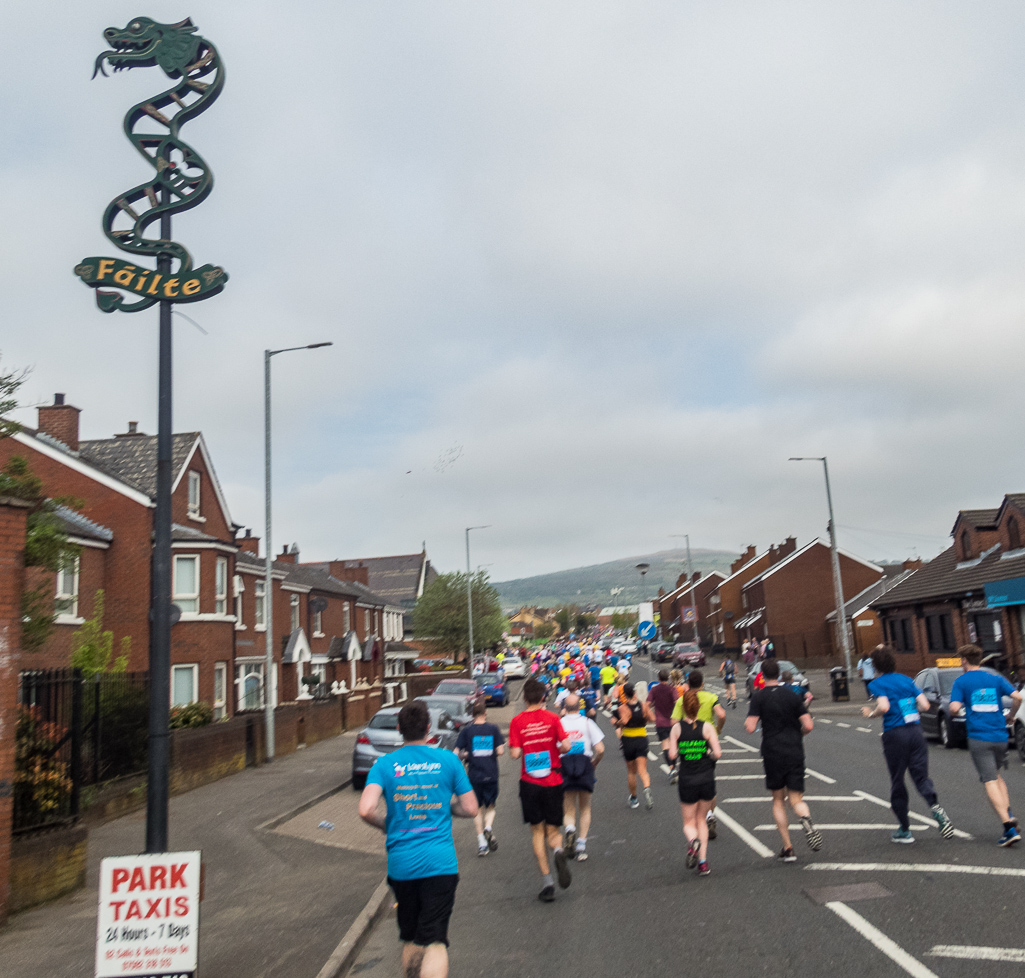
(276, 903)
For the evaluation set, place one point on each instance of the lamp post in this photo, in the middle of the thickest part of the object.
(643, 568)
(269, 687)
(469, 589)
(841, 618)
(690, 584)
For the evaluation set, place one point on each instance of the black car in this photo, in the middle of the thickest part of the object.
(937, 722)
(662, 652)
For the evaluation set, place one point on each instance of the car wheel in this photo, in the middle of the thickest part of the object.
(946, 733)
(1019, 740)
(359, 781)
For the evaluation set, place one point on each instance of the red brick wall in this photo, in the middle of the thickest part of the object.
(213, 521)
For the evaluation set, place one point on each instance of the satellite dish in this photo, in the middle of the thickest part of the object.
(318, 604)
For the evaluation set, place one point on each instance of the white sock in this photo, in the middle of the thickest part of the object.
(571, 828)
(481, 840)
(581, 843)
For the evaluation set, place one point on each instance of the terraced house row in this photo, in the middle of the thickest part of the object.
(329, 619)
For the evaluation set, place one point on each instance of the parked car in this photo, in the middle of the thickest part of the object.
(514, 667)
(381, 736)
(460, 708)
(937, 722)
(784, 665)
(662, 652)
(688, 654)
(456, 687)
(1018, 729)
(494, 688)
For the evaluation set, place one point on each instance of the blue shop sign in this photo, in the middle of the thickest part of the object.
(1001, 593)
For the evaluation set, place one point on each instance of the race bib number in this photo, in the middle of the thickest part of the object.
(908, 709)
(985, 701)
(577, 747)
(538, 764)
(483, 746)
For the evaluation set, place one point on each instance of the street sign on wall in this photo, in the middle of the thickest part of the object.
(148, 922)
(646, 630)
(688, 615)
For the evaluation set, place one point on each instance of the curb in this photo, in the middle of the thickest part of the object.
(344, 955)
(299, 809)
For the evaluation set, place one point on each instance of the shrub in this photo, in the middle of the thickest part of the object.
(193, 715)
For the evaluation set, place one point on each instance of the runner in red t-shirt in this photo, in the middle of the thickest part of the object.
(536, 735)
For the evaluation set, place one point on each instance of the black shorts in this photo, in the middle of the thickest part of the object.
(577, 773)
(729, 682)
(486, 792)
(605, 687)
(691, 794)
(662, 733)
(634, 747)
(784, 772)
(541, 803)
(424, 907)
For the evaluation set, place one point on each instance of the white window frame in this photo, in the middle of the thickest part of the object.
(194, 669)
(239, 587)
(318, 624)
(195, 495)
(260, 609)
(220, 679)
(294, 610)
(243, 670)
(221, 586)
(180, 596)
(346, 619)
(69, 614)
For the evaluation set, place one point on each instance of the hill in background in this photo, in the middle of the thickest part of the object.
(592, 585)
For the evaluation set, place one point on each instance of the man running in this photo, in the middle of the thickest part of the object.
(578, 763)
(728, 671)
(662, 698)
(480, 745)
(632, 720)
(696, 743)
(979, 693)
(422, 867)
(538, 737)
(608, 680)
(785, 722)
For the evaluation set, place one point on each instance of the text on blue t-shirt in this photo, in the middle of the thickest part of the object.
(980, 694)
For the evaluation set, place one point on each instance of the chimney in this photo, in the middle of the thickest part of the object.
(912, 563)
(289, 554)
(60, 421)
(696, 577)
(248, 543)
(132, 432)
(745, 557)
(358, 573)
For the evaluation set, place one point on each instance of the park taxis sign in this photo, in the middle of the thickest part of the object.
(197, 283)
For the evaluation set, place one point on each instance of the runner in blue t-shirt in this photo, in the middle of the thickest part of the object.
(980, 694)
(417, 784)
(898, 701)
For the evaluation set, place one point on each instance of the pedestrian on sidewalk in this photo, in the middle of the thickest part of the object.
(867, 671)
(585, 752)
(480, 745)
(633, 719)
(537, 736)
(898, 702)
(696, 744)
(785, 723)
(422, 868)
(979, 693)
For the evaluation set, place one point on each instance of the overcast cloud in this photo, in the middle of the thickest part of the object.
(593, 270)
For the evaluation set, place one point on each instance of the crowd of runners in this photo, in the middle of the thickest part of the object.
(559, 749)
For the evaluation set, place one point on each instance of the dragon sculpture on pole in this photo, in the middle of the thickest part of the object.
(181, 179)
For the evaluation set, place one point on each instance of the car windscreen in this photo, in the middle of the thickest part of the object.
(456, 707)
(455, 686)
(947, 678)
(384, 721)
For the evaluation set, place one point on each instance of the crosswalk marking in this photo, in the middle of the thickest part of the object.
(742, 745)
(763, 798)
(740, 777)
(920, 818)
(846, 726)
(840, 827)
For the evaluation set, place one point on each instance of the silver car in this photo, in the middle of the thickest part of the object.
(381, 736)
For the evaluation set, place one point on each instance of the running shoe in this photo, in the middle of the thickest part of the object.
(1011, 818)
(945, 824)
(634, 803)
(713, 825)
(692, 853)
(483, 850)
(547, 895)
(811, 834)
(1009, 838)
(581, 853)
(492, 841)
(562, 869)
(570, 840)
(648, 803)
(733, 704)
(787, 855)
(703, 869)
(902, 836)
(674, 776)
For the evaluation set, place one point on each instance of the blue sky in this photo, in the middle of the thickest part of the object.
(593, 272)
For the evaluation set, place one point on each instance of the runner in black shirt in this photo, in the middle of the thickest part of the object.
(480, 744)
(785, 722)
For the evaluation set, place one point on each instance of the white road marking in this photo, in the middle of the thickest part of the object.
(823, 720)
(920, 818)
(652, 757)
(917, 868)
(666, 769)
(740, 760)
(841, 827)
(821, 777)
(743, 834)
(741, 744)
(732, 750)
(740, 777)
(1016, 954)
(846, 726)
(806, 798)
(878, 939)
(863, 729)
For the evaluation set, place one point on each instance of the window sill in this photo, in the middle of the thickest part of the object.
(205, 616)
(318, 634)
(68, 620)
(259, 628)
(196, 518)
(240, 628)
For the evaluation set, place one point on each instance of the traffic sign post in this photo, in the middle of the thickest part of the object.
(646, 630)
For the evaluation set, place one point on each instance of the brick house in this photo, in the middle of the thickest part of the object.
(524, 623)
(695, 593)
(725, 606)
(865, 627)
(974, 591)
(789, 601)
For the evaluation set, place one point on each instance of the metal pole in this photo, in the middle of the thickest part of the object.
(269, 690)
(841, 617)
(690, 582)
(157, 789)
(469, 595)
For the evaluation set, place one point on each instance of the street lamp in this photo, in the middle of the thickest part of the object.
(269, 687)
(841, 618)
(690, 583)
(469, 591)
(643, 568)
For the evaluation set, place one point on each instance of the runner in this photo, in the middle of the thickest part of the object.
(585, 752)
(633, 721)
(538, 737)
(710, 711)
(728, 671)
(785, 722)
(979, 693)
(608, 679)
(422, 868)
(480, 745)
(898, 702)
(662, 698)
(696, 744)
(624, 667)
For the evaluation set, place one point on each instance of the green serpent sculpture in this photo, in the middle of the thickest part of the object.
(182, 178)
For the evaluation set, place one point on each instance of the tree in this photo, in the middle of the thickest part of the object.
(440, 615)
(623, 620)
(544, 631)
(585, 620)
(92, 649)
